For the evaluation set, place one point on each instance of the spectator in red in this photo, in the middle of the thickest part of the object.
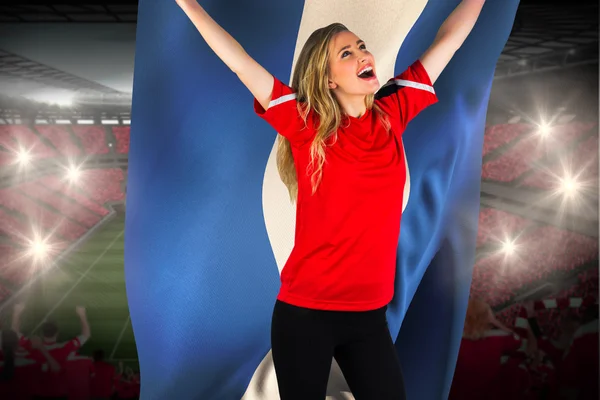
(137, 383)
(104, 377)
(479, 373)
(579, 370)
(80, 370)
(555, 349)
(125, 384)
(18, 369)
(53, 385)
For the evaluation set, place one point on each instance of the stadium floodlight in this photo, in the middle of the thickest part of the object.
(85, 121)
(544, 129)
(569, 186)
(126, 122)
(41, 121)
(110, 122)
(23, 157)
(39, 249)
(73, 173)
(63, 121)
(509, 247)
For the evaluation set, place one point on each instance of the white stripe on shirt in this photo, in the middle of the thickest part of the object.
(282, 99)
(416, 85)
(412, 84)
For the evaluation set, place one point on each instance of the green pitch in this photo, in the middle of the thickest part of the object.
(91, 276)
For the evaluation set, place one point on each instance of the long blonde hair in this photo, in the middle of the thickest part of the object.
(310, 82)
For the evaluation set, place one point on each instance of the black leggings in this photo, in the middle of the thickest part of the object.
(304, 341)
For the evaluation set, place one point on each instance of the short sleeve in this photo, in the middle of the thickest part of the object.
(282, 114)
(76, 342)
(405, 96)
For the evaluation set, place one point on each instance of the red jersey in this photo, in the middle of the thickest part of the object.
(79, 371)
(346, 238)
(23, 383)
(579, 368)
(54, 384)
(479, 367)
(102, 381)
(126, 389)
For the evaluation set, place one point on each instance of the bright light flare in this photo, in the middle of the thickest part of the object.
(569, 186)
(544, 130)
(23, 157)
(73, 174)
(39, 249)
(509, 247)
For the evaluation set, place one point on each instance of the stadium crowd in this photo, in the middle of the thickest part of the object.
(43, 368)
(520, 361)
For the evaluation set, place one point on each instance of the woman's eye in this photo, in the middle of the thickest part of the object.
(344, 54)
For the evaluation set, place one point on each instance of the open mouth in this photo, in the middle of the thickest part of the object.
(366, 73)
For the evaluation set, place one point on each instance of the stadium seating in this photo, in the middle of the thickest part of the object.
(496, 225)
(92, 137)
(121, 133)
(539, 254)
(499, 135)
(582, 165)
(16, 138)
(551, 319)
(531, 148)
(54, 208)
(60, 137)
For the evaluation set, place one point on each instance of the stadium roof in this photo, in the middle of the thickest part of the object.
(78, 41)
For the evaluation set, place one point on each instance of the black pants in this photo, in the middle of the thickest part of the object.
(304, 342)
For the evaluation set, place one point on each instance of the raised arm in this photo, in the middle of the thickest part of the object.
(257, 79)
(16, 317)
(85, 326)
(450, 37)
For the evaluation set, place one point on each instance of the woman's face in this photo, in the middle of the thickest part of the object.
(351, 66)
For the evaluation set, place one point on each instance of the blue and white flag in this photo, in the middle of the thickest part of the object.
(209, 224)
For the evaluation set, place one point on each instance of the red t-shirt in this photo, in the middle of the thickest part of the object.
(479, 366)
(79, 373)
(344, 256)
(102, 381)
(23, 383)
(580, 368)
(54, 384)
(126, 389)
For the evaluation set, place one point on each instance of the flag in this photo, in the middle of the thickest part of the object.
(209, 225)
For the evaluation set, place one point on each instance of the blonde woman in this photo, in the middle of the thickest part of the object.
(341, 157)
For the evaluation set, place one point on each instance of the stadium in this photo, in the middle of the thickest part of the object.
(66, 77)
